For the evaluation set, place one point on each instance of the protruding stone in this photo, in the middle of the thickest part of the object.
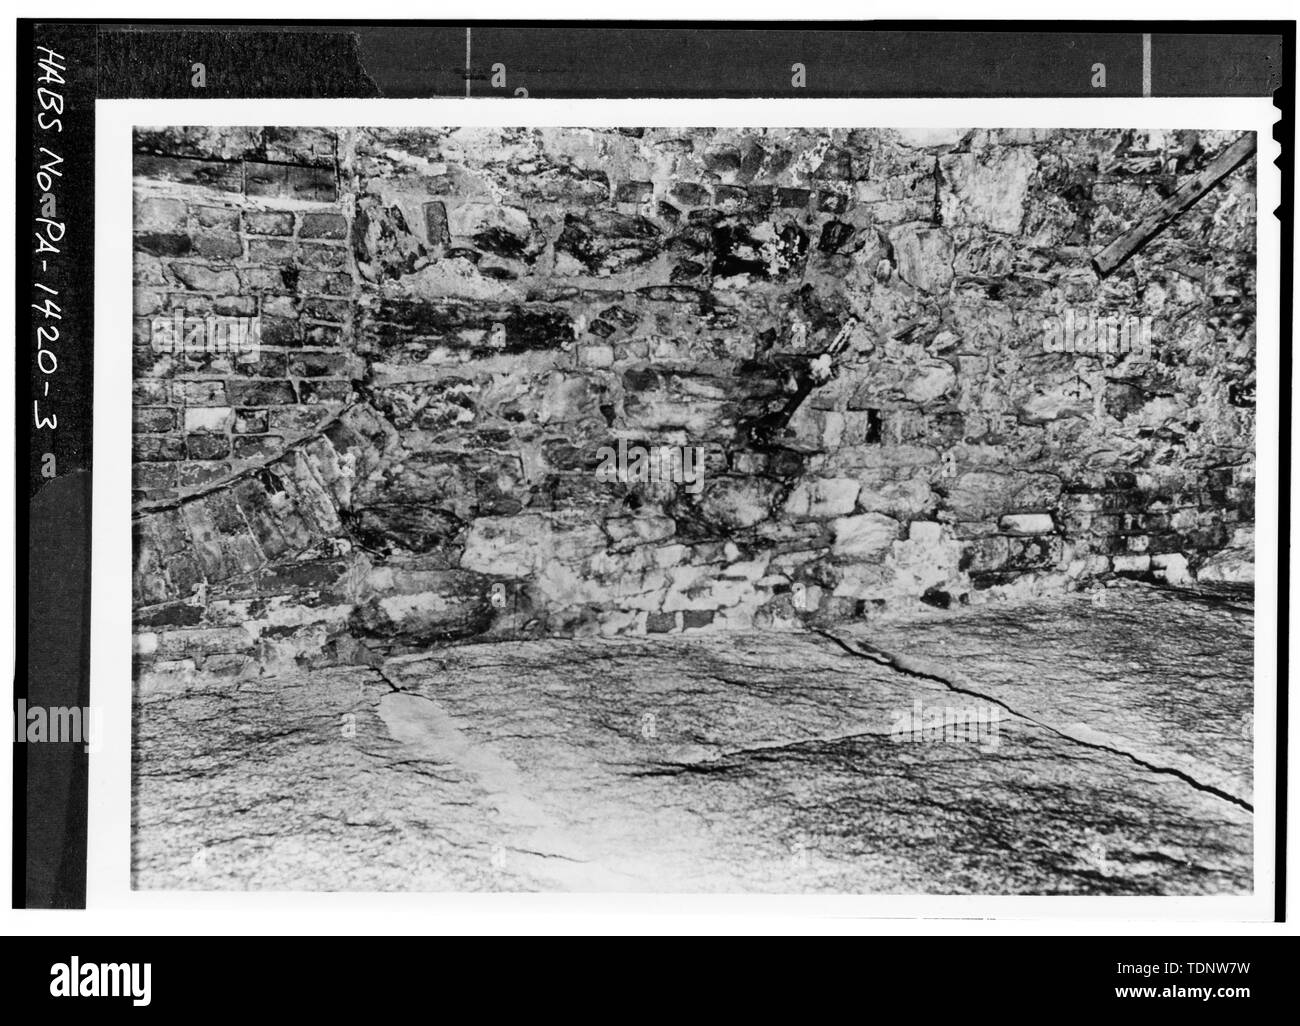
(423, 607)
(924, 257)
(1027, 523)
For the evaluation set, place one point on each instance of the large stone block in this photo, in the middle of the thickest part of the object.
(609, 242)
(866, 536)
(824, 497)
(923, 256)
(732, 504)
(979, 494)
(424, 607)
(987, 187)
(522, 545)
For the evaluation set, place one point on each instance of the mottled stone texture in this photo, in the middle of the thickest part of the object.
(454, 321)
(769, 762)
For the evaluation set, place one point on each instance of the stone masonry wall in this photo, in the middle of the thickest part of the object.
(454, 321)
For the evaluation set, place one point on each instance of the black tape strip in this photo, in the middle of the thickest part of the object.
(158, 63)
(648, 59)
(54, 267)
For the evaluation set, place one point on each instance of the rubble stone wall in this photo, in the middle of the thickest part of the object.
(454, 322)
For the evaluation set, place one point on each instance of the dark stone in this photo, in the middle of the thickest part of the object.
(257, 447)
(660, 623)
(154, 419)
(406, 526)
(323, 257)
(634, 192)
(792, 198)
(318, 365)
(260, 393)
(322, 309)
(315, 391)
(398, 322)
(154, 449)
(690, 194)
(207, 447)
(503, 243)
(268, 222)
(621, 316)
(169, 244)
(604, 239)
(834, 235)
(735, 251)
(431, 606)
(279, 252)
(793, 247)
(729, 198)
(250, 422)
(694, 619)
(1241, 393)
(223, 175)
(279, 331)
(837, 164)
(671, 294)
(937, 597)
(323, 226)
(172, 614)
(435, 223)
(723, 161)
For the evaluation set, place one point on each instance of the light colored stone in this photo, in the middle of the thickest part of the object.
(1233, 566)
(735, 503)
(902, 500)
(987, 187)
(864, 536)
(629, 764)
(1172, 566)
(209, 418)
(824, 497)
(924, 256)
(924, 531)
(1027, 523)
(522, 545)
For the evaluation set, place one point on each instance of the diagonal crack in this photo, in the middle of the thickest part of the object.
(910, 667)
(389, 681)
(225, 483)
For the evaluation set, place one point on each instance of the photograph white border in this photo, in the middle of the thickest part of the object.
(405, 912)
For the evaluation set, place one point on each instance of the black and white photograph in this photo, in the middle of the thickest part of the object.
(577, 473)
(858, 511)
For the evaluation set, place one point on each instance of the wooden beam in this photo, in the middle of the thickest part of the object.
(1128, 243)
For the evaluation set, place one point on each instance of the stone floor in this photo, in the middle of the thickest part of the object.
(1110, 754)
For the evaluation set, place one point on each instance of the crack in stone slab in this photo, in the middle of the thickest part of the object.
(916, 668)
(809, 795)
